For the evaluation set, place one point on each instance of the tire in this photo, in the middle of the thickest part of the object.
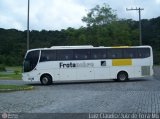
(46, 80)
(122, 76)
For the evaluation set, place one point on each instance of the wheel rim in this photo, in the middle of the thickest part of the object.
(44, 80)
(122, 77)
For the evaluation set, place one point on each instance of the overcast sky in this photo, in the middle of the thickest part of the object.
(61, 14)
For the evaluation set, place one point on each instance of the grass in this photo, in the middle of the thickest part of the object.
(13, 75)
(18, 68)
(10, 76)
(4, 88)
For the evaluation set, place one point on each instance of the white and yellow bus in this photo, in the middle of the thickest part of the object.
(81, 63)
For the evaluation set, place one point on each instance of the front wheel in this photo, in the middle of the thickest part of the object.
(46, 80)
(122, 76)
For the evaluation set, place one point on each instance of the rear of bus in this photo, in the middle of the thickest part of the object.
(146, 61)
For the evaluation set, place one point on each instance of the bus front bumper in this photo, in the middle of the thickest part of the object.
(29, 78)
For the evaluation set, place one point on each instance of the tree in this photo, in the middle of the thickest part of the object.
(100, 15)
(119, 32)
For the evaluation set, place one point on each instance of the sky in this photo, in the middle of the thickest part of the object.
(61, 14)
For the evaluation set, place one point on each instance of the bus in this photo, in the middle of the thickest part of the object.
(87, 63)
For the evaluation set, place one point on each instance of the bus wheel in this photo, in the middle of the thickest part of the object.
(122, 76)
(46, 79)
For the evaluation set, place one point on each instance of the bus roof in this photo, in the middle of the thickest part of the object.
(86, 47)
(80, 46)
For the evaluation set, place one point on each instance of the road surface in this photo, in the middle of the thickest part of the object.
(135, 96)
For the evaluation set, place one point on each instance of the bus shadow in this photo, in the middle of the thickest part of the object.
(88, 82)
(99, 82)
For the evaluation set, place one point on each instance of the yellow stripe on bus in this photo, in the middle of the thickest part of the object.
(121, 62)
(120, 46)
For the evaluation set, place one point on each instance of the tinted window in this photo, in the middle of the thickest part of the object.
(98, 54)
(64, 54)
(115, 53)
(48, 55)
(31, 60)
(143, 52)
(130, 53)
(81, 54)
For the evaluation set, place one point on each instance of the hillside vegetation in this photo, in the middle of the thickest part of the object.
(103, 29)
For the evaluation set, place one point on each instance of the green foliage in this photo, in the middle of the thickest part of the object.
(2, 67)
(156, 55)
(16, 72)
(104, 29)
(16, 75)
(10, 76)
(100, 15)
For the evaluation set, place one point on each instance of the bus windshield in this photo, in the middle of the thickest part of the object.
(30, 61)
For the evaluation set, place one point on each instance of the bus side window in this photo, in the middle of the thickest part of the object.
(64, 54)
(76, 56)
(82, 54)
(130, 53)
(115, 53)
(48, 55)
(95, 56)
(66, 57)
(85, 56)
(143, 52)
(104, 56)
(98, 54)
(43, 58)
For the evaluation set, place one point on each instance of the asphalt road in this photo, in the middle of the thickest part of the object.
(135, 96)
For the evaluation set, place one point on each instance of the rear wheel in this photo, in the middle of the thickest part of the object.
(122, 76)
(46, 80)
